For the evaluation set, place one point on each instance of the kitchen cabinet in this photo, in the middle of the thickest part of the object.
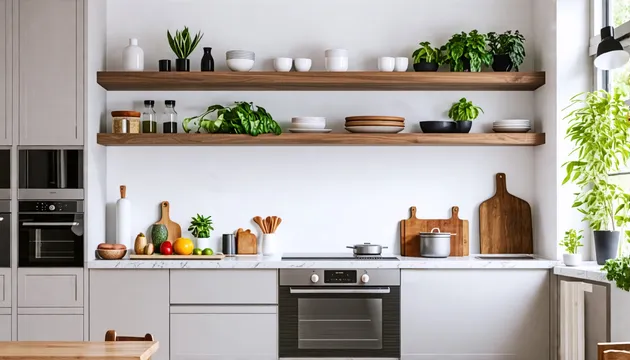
(46, 327)
(224, 332)
(63, 288)
(49, 74)
(475, 314)
(224, 287)
(6, 72)
(132, 302)
(5, 327)
(5, 287)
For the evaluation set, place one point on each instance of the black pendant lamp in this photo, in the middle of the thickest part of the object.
(610, 53)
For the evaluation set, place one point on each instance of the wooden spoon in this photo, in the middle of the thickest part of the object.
(278, 222)
(269, 222)
(258, 220)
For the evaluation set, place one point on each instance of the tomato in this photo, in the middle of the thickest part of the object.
(166, 248)
(183, 246)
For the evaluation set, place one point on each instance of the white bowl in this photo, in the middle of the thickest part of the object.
(240, 64)
(302, 64)
(282, 64)
(308, 125)
(336, 53)
(308, 119)
(337, 64)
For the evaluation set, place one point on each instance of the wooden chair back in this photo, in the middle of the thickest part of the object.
(110, 335)
(613, 351)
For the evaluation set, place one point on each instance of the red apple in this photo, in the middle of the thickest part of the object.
(166, 248)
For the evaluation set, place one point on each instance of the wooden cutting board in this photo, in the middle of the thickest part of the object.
(246, 242)
(505, 223)
(375, 123)
(174, 230)
(177, 257)
(411, 228)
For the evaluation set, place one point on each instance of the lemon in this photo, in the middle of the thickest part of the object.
(197, 252)
(207, 251)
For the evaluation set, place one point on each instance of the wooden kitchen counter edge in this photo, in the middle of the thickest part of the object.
(73, 350)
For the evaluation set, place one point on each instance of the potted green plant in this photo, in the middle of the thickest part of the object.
(241, 118)
(427, 58)
(463, 113)
(183, 45)
(467, 52)
(200, 227)
(600, 131)
(571, 242)
(618, 270)
(508, 50)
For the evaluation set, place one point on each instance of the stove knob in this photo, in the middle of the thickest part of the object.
(365, 278)
(314, 278)
(51, 207)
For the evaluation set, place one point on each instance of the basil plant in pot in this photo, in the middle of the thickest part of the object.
(183, 45)
(427, 58)
(463, 113)
(571, 242)
(467, 52)
(508, 50)
(599, 129)
(200, 227)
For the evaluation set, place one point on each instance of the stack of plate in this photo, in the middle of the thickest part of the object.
(511, 126)
(309, 124)
(375, 124)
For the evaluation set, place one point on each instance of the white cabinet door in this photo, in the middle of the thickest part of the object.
(6, 72)
(50, 71)
(475, 314)
(5, 327)
(50, 288)
(224, 332)
(132, 302)
(50, 327)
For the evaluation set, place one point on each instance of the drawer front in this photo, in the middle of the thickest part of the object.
(50, 327)
(224, 287)
(62, 287)
(5, 288)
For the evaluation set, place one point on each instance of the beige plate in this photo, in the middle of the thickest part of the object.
(375, 123)
(375, 118)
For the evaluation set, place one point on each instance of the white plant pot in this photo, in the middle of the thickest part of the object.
(572, 259)
(270, 245)
(208, 243)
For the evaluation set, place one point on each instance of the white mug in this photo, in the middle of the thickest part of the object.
(386, 63)
(282, 64)
(402, 63)
(302, 64)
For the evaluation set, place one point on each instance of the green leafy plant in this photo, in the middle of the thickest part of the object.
(428, 54)
(241, 118)
(618, 270)
(471, 46)
(509, 44)
(572, 241)
(464, 110)
(599, 128)
(182, 44)
(200, 226)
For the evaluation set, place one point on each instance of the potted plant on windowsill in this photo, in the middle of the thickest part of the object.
(600, 131)
(467, 52)
(200, 227)
(508, 50)
(571, 242)
(463, 113)
(427, 58)
(183, 45)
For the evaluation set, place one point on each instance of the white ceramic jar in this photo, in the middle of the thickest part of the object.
(133, 57)
(270, 245)
(386, 64)
(336, 60)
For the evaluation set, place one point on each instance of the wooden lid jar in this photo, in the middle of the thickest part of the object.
(126, 122)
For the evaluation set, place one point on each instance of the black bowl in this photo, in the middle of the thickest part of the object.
(425, 66)
(437, 127)
(463, 126)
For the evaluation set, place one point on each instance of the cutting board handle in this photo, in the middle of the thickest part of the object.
(166, 211)
(501, 184)
(455, 213)
(413, 213)
(123, 191)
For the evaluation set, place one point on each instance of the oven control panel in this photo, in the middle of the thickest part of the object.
(340, 276)
(50, 206)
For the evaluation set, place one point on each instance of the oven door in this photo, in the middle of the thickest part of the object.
(339, 322)
(5, 239)
(51, 240)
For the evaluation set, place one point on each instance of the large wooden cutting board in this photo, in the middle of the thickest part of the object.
(174, 230)
(411, 228)
(177, 257)
(505, 223)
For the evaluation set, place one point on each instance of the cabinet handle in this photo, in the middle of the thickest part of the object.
(341, 291)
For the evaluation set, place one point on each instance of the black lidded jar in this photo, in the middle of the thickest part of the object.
(169, 118)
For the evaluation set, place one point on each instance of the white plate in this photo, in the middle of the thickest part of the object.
(512, 127)
(313, 131)
(375, 129)
(511, 130)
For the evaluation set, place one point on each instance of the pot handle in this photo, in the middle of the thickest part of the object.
(433, 230)
(349, 247)
(384, 247)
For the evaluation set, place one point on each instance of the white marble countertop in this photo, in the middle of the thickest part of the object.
(589, 270)
(268, 262)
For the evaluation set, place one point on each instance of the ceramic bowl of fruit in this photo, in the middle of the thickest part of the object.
(111, 251)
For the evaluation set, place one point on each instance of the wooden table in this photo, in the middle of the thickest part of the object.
(62, 350)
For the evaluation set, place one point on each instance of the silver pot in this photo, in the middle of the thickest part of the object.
(435, 244)
(367, 249)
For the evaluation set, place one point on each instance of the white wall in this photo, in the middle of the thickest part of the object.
(328, 196)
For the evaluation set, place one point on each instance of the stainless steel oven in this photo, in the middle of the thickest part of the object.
(50, 174)
(5, 174)
(5, 233)
(351, 313)
(51, 234)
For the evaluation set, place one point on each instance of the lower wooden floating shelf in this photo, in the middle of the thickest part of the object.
(288, 139)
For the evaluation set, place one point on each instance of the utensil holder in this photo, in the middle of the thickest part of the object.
(270, 245)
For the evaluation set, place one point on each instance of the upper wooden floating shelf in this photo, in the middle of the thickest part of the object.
(322, 81)
(406, 139)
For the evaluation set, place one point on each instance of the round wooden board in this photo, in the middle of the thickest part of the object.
(375, 123)
(375, 118)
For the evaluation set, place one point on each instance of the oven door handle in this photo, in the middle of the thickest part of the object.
(51, 223)
(385, 290)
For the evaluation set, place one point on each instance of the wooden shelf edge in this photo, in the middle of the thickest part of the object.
(332, 139)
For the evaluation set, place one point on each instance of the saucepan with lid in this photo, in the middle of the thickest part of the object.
(367, 249)
(435, 244)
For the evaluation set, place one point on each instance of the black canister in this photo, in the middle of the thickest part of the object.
(164, 65)
(229, 245)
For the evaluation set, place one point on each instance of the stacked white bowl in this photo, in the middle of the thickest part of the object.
(337, 60)
(240, 60)
(309, 124)
(511, 126)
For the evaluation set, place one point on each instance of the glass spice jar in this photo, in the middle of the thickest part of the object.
(130, 118)
(169, 118)
(149, 122)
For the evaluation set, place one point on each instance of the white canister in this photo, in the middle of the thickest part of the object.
(336, 64)
(133, 57)
(123, 219)
(270, 245)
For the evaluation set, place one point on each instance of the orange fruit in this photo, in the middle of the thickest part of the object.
(183, 246)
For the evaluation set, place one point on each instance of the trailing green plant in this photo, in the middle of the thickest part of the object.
(471, 46)
(182, 44)
(428, 53)
(509, 44)
(618, 270)
(464, 110)
(240, 118)
(572, 241)
(200, 226)
(600, 131)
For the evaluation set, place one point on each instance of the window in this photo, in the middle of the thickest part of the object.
(614, 13)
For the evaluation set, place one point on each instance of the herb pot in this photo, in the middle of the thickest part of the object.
(367, 249)
(466, 64)
(425, 66)
(502, 63)
(572, 259)
(205, 243)
(182, 65)
(207, 61)
(463, 126)
(606, 243)
(435, 244)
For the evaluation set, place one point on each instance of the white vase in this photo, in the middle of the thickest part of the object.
(270, 245)
(572, 259)
(133, 57)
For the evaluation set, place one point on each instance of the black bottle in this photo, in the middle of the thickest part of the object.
(207, 61)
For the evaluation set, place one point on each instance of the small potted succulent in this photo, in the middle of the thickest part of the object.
(200, 227)
(183, 45)
(463, 113)
(467, 52)
(508, 50)
(427, 58)
(571, 242)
